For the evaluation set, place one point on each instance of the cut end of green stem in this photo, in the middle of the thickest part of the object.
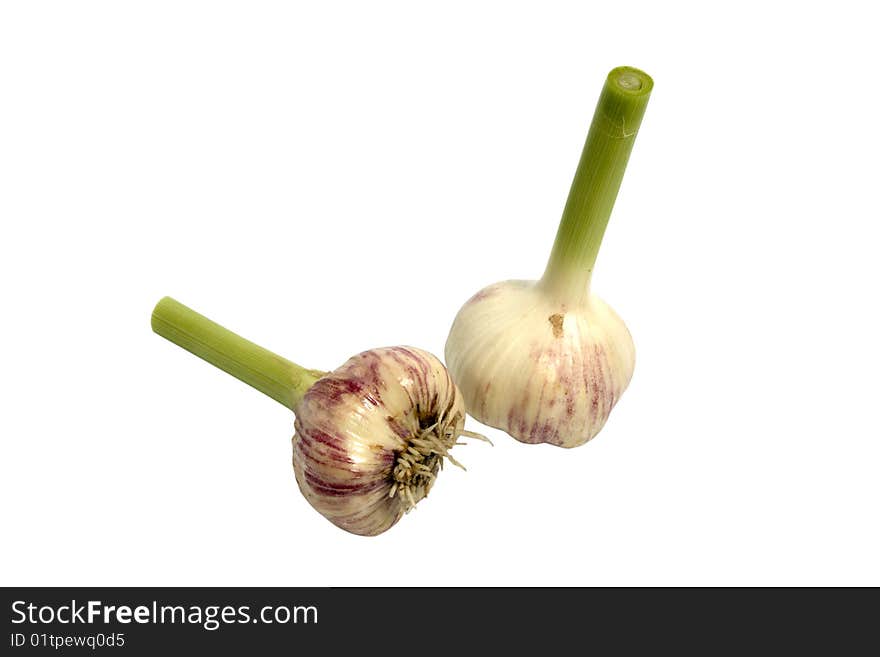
(631, 80)
(623, 101)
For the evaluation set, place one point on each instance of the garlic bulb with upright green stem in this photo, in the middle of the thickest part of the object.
(547, 360)
(370, 436)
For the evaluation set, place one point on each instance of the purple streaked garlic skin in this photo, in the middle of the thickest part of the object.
(541, 369)
(371, 436)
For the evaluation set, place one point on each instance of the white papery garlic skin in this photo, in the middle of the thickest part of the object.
(542, 370)
(371, 436)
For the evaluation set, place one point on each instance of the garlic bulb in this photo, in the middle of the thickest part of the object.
(543, 370)
(370, 437)
(547, 360)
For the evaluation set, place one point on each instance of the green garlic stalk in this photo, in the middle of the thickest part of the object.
(370, 436)
(547, 360)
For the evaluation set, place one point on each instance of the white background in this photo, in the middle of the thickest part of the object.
(331, 178)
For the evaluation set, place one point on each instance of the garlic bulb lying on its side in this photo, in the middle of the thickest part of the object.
(547, 360)
(370, 437)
